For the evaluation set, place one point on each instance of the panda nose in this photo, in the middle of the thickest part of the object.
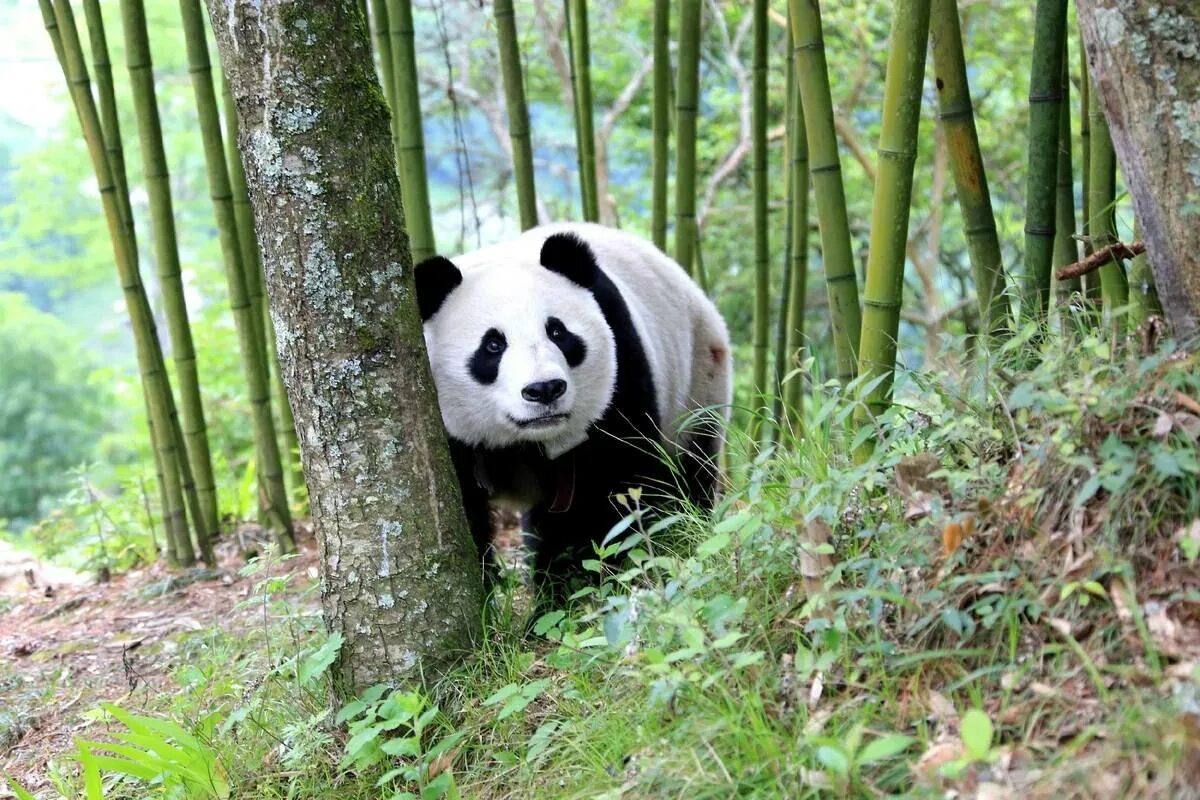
(544, 392)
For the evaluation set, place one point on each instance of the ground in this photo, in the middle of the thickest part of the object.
(64, 648)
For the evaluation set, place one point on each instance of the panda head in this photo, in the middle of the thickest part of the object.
(520, 350)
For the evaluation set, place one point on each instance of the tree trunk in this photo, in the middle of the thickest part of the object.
(400, 577)
(1144, 57)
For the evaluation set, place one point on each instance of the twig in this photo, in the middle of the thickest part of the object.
(1101, 257)
(1187, 402)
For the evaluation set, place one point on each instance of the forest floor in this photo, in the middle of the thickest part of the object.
(1000, 601)
(67, 645)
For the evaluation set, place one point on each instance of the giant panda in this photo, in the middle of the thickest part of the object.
(572, 364)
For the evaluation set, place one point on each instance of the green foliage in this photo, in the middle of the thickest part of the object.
(50, 413)
(104, 530)
(385, 723)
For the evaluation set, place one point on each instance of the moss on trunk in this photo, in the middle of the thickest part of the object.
(401, 580)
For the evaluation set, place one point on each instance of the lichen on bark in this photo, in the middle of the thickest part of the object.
(400, 579)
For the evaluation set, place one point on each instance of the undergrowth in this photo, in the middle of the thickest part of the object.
(1002, 600)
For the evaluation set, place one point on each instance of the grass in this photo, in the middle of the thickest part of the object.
(1002, 601)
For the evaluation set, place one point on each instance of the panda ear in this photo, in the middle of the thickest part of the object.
(570, 256)
(436, 278)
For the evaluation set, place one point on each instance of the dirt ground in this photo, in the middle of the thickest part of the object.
(66, 647)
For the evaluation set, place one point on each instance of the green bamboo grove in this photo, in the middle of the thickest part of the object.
(775, 181)
(61, 27)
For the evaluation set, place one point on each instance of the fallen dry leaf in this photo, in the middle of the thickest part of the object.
(952, 536)
(939, 753)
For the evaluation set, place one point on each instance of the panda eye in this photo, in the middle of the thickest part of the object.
(494, 342)
(555, 329)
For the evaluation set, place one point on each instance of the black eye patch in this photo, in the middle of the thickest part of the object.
(484, 364)
(572, 347)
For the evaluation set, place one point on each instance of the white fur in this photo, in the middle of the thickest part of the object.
(505, 287)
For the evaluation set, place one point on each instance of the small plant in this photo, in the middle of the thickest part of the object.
(977, 734)
(154, 751)
(383, 724)
(842, 759)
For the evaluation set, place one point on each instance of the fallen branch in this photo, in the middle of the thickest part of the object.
(1101, 257)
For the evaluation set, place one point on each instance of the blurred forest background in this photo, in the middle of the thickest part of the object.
(71, 416)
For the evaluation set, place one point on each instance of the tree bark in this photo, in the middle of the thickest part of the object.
(1144, 60)
(400, 577)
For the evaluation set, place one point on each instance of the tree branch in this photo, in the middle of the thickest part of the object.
(1105, 255)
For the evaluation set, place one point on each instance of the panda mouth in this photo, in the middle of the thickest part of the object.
(546, 421)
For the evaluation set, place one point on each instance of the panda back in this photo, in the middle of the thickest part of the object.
(677, 324)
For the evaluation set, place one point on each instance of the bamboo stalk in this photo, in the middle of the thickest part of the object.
(155, 383)
(243, 215)
(114, 151)
(957, 118)
(581, 77)
(687, 98)
(825, 167)
(1091, 284)
(109, 118)
(1113, 284)
(1045, 99)
(781, 358)
(166, 255)
(891, 205)
(381, 33)
(762, 242)
(660, 122)
(273, 494)
(518, 112)
(410, 137)
(1066, 250)
(789, 333)
(251, 256)
(1085, 138)
(793, 395)
(1142, 287)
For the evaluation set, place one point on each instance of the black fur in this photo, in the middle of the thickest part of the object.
(573, 348)
(484, 364)
(569, 256)
(436, 278)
